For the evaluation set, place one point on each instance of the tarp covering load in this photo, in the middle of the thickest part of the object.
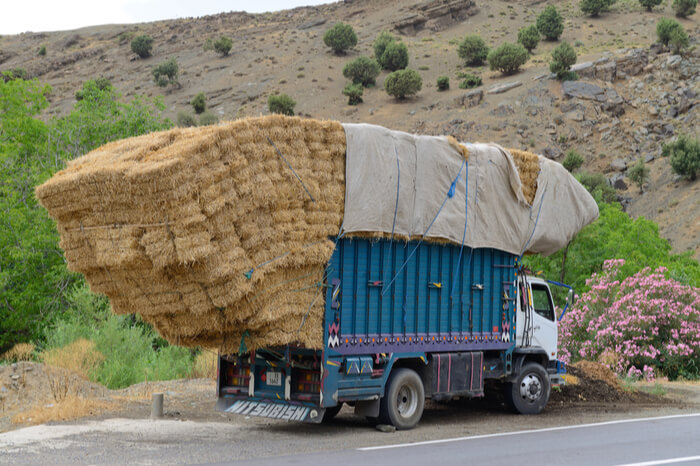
(220, 236)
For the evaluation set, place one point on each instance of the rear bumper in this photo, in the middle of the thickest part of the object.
(271, 409)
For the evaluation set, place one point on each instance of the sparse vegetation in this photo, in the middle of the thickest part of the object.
(340, 38)
(639, 174)
(473, 50)
(186, 120)
(507, 58)
(362, 70)
(142, 45)
(550, 23)
(208, 118)
(42, 51)
(573, 161)
(443, 83)
(166, 73)
(470, 81)
(395, 56)
(353, 93)
(684, 8)
(529, 37)
(281, 103)
(684, 155)
(664, 29)
(403, 83)
(199, 103)
(650, 4)
(595, 7)
(223, 45)
(678, 40)
(563, 56)
(125, 37)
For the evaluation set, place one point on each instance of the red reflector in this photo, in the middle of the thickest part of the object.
(263, 377)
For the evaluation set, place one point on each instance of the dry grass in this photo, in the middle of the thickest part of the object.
(71, 407)
(205, 365)
(19, 352)
(80, 357)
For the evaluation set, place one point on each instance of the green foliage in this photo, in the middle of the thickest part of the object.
(354, 93)
(550, 23)
(223, 45)
(166, 73)
(199, 103)
(383, 39)
(403, 83)
(208, 118)
(649, 4)
(395, 56)
(664, 29)
(15, 73)
(573, 161)
(340, 38)
(362, 70)
(470, 81)
(42, 51)
(507, 58)
(685, 156)
(125, 37)
(678, 40)
(186, 120)
(473, 50)
(594, 7)
(684, 8)
(639, 174)
(142, 45)
(563, 56)
(103, 84)
(281, 103)
(598, 186)
(529, 37)
(443, 83)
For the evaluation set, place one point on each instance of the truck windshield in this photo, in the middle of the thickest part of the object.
(542, 301)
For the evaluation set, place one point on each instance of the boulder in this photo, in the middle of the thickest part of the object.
(633, 62)
(501, 88)
(470, 99)
(582, 90)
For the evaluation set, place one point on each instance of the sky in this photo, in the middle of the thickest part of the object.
(57, 15)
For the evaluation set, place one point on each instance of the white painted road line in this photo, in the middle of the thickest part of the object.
(666, 461)
(533, 431)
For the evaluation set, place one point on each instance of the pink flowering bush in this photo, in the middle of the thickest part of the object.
(643, 326)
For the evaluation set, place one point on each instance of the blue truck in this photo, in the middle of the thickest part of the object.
(403, 322)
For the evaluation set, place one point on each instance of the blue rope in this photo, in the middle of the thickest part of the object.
(290, 167)
(464, 233)
(539, 210)
(398, 185)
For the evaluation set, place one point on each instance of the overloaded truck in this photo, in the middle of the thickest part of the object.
(329, 263)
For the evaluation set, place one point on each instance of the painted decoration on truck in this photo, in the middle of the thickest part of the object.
(333, 340)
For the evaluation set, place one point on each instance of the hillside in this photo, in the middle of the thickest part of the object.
(638, 96)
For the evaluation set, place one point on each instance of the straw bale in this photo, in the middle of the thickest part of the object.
(528, 169)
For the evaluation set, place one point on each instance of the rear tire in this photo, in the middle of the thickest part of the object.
(331, 413)
(404, 400)
(529, 393)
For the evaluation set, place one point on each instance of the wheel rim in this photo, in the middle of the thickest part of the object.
(406, 401)
(531, 388)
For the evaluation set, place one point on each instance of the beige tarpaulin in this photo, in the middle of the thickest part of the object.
(486, 194)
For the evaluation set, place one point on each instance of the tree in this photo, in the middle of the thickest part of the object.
(678, 40)
(550, 23)
(507, 58)
(166, 73)
(470, 81)
(223, 45)
(281, 103)
(529, 37)
(383, 39)
(340, 38)
(639, 174)
(354, 93)
(563, 56)
(142, 45)
(665, 27)
(443, 83)
(199, 103)
(572, 161)
(403, 83)
(685, 156)
(473, 50)
(395, 56)
(684, 8)
(102, 84)
(362, 70)
(649, 4)
(594, 7)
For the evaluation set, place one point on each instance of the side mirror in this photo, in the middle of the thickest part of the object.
(571, 298)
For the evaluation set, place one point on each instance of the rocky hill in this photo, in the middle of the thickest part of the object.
(631, 96)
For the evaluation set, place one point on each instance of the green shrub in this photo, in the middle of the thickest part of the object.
(470, 81)
(563, 56)
(402, 83)
(223, 45)
(208, 118)
(685, 156)
(529, 37)
(507, 58)
(340, 38)
(598, 186)
(572, 161)
(664, 28)
(443, 83)
(550, 23)
(383, 39)
(42, 51)
(649, 4)
(186, 120)
(102, 84)
(594, 7)
(15, 73)
(208, 45)
(166, 73)
(395, 56)
(354, 93)
(199, 103)
(362, 70)
(678, 40)
(142, 45)
(639, 174)
(684, 8)
(281, 103)
(473, 50)
(125, 37)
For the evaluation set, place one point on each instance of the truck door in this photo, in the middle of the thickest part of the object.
(544, 326)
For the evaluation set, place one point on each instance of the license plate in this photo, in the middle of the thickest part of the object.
(274, 378)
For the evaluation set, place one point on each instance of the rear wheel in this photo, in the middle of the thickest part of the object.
(403, 401)
(529, 393)
(331, 413)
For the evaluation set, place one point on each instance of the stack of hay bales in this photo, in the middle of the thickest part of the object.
(214, 233)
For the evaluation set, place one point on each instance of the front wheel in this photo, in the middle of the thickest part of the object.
(529, 393)
(403, 401)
